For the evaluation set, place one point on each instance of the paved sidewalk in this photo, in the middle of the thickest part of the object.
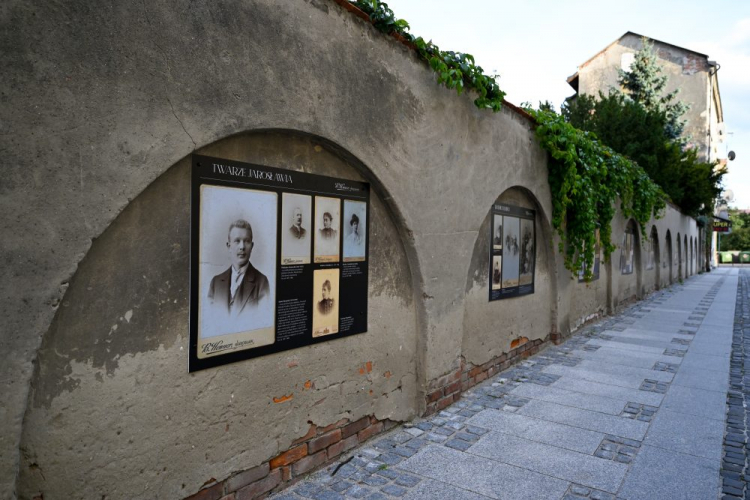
(632, 408)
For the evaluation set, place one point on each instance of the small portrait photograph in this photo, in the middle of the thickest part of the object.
(325, 302)
(527, 252)
(237, 274)
(355, 228)
(626, 254)
(296, 215)
(497, 232)
(327, 229)
(511, 251)
(497, 266)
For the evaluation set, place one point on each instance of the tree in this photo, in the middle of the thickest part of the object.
(633, 131)
(645, 84)
(739, 239)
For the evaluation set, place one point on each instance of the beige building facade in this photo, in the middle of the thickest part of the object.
(691, 72)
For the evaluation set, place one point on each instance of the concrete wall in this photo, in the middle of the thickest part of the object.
(685, 70)
(103, 108)
(484, 336)
(113, 361)
(586, 301)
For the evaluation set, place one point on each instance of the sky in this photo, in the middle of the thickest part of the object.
(534, 45)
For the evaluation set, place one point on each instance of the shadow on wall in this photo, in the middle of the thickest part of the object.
(113, 410)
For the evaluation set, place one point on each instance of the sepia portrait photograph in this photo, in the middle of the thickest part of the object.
(497, 262)
(511, 251)
(296, 234)
(527, 252)
(237, 269)
(497, 232)
(325, 302)
(327, 229)
(355, 225)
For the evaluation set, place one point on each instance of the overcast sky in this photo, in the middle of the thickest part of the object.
(535, 45)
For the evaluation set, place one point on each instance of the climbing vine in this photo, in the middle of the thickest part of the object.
(455, 70)
(586, 179)
(585, 176)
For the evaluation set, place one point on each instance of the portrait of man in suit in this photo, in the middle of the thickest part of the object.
(297, 230)
(238, 289)
(236, 261)
(295, 241)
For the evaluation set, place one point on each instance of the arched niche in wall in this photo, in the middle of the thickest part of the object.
(492, 328)
(630, 280)
(654, 260)
(692, 256)
(686, 259)
(679, 257)
(111, 380)
(670, 256)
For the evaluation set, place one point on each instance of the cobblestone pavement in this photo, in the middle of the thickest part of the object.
(734, 465)
(633, 407)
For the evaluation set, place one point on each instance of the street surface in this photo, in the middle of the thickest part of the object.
(638, 406)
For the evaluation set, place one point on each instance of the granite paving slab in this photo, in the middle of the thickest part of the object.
(621, 371)
(439, 489)
(541, 431)
(712, 349)
(482, 475)
(564, 397)
(630, 358)
(626, 347)
(643, 334)
(708, 380)
(684, 433)
(584, 419)
(605, 390)
(620, 380)
(552, 461)
(705, 362)
(662, 474)
(694, 401)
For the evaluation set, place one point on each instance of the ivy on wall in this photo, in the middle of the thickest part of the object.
(455, 70)
(586, 179)
(585, 176)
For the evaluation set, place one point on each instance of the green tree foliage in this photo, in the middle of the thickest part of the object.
(645, 84)
(641, 135)
(739, 239)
